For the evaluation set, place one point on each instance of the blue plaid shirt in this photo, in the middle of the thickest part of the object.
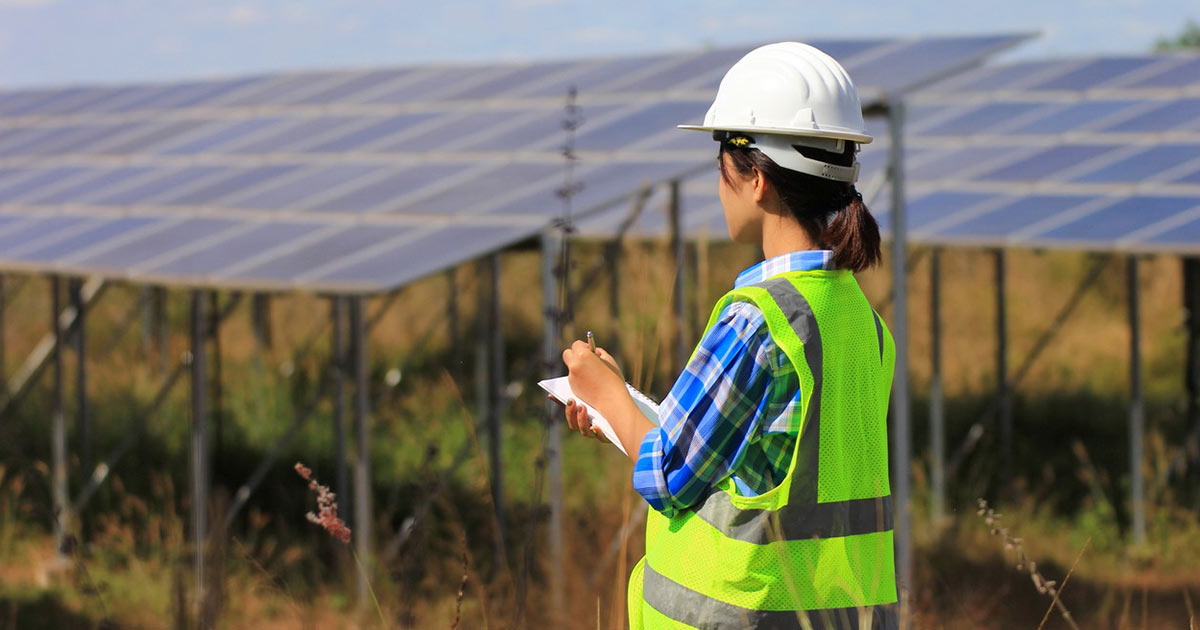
(729, 412)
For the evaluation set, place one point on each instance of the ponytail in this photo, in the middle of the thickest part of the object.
(853, 235)
(831, 212)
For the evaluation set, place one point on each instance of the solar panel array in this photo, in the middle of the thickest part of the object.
(360, 181)
(1100, 154)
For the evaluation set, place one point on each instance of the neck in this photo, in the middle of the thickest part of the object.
(782, 234)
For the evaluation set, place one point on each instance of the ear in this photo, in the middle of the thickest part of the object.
(759, 183)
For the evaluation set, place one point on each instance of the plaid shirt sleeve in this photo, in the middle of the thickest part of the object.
(713, 412)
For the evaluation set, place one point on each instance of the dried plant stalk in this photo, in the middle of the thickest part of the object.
(1015, 544)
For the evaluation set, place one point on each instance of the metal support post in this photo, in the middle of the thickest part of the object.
(496, 404)
(613, 260)
(83, 425)
(58, 431)
(3, 328)
(362, 460)
(456, 363)
(146, 308)
(552, 244)
(218, 409)
(1136, 415)
(677, 248)
(902, 436)
(199, 440)
(261, 308)
(1191, 305)
(1003, 395)
(160, 321)
(337, 317)
(937, 428)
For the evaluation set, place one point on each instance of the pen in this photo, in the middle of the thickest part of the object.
(591, 342)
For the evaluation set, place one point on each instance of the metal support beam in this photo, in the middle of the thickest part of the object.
(1191, 305)
(1003, 394)
(902, 431)
(338, 346)
(552, 248)
(261, 319)
(218, 408)
(3, 330)
(362, 460)
(937, 426)
(496, 404)
(58, 430)
(1136, 414)
(682, 345)
(199, 441)
(82, 422)
(456, 362)
(162, 341)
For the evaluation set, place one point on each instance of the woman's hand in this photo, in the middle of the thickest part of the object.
(594, 376)
(577, 420)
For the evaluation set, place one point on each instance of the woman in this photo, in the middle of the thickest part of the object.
(768, 477)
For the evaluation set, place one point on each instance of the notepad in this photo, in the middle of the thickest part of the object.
(560, 389)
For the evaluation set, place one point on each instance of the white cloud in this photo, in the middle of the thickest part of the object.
(243, 15)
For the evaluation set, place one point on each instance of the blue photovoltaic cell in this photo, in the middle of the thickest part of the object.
(99, 179)
(192, 94)
(506, 82)
(1143, 165)
(87, 238)
(36, 230)
(1169, 117)
(48, 177)
(948, 164)
(12, 174)
(590, 78)
(449, 126)
(237, 248)
(296, 134)
(1074, 117)
(936, 206)
(413, 260)
(1004, 220)
(382, 128)
(149, 137)
(1092, 74)
(1045, 164)
(483, 187)
(241, 179)
(69, 143)
(981, 119)
(1118, 220)
(388, 191)
(296, 192)
(104, 135)
(5, 221)
(227, 132)
(1189, 178)
(1184, 74)
(66, 102)
(156, 186)
(1187, 235)
(15, 101)
(544, 130)
(922, 60)
(44, 135)
(600, 185)
(148, 246)
(640, 125)
(431, 86)
(990, 78)
(306, 258)
(714, 62)
(113, 97)
(278, 90)
(15, 137)
(354, 86)
(50, 98)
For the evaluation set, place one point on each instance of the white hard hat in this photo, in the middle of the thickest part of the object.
(787, 94)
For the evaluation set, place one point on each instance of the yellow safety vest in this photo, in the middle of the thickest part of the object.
(815, 552)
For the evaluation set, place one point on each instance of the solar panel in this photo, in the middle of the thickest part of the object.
(1118, 220)
(1074, 117)
(1170, 115)
(248, 181)
(1093, 74)
(1018, 214)
(1184, 73)
(1143, 165)
(1046, 163)
(982, 119)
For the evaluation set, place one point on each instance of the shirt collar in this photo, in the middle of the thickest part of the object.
(807, 260)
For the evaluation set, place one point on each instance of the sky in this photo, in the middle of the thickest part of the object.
(64, 42)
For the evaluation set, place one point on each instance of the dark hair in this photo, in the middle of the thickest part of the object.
(851, 233)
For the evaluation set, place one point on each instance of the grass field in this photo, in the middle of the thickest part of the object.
(1068, 501)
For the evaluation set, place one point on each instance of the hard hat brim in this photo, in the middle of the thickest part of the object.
(838, 134)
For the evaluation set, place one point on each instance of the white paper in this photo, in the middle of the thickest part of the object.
(560, 389)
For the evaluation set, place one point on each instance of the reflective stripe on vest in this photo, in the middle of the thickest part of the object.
(832, 559)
